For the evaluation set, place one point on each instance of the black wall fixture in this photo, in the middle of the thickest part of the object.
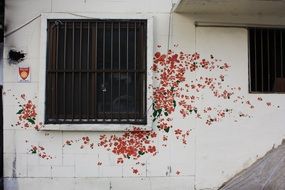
(16, 56)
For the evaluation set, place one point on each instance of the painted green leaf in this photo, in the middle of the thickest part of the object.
(174, 103)
(31, 121)
(154, 113)
(159, 112)
(167, 129)
(20, 111)
(34, 151)
(153, 104)
(165, 113)
(141, 153)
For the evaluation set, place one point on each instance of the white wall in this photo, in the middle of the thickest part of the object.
(212, 155)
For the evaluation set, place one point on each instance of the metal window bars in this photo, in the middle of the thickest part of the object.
(267, 67)
(96, 71)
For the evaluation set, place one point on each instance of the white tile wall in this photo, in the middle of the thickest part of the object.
(39, 171)
(212, 155)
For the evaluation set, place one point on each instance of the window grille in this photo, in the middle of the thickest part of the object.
(266, 58)
(96, 71)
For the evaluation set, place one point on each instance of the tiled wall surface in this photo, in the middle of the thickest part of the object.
(212, 153)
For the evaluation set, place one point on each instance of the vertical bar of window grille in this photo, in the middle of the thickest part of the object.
(80, 71)
(72, 83)
(119, 113)
(56, 74)
(104, 86)
(255, 62)
(88, 52)
(144, 74)
(127, 71)
(50, 79)
(268, 60)
(275, 56)
(261, 53)
(95, 77)
(281, 53)
(135, 68)
(140, 61)
(145, 68)
(64, 75)
(112, 28)
(249, 59)
(140, 53)
(48, 103)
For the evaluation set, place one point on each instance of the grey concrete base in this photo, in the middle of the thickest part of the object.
(267, 173)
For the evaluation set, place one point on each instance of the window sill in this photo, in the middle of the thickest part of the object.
(95, 127)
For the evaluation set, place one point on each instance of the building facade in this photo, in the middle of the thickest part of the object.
(129, 94)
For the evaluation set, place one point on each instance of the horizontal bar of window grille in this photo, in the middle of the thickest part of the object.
(236, 25)
(99, 121)
(98, 71)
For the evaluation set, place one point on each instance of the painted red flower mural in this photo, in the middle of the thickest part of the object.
(177, 90)
(131, 144)
(27, 118)
(181, 81)
(174, 91)
(40, 151)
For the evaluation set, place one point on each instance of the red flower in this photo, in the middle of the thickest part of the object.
(135, 171)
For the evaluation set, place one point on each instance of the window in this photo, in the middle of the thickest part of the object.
(96, 71)
(267, 60)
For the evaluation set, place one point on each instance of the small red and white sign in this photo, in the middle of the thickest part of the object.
(24, 74)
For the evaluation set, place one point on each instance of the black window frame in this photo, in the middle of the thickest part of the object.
(138, 72)
(266, 57)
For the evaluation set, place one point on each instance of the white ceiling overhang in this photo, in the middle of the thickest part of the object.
(233, 7)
